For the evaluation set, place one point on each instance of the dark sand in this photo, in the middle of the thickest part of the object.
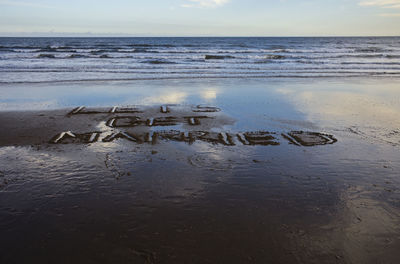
(242, 179)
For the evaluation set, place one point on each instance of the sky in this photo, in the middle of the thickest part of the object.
(200, 18)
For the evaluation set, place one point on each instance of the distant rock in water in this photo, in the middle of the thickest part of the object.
(97, 52)
(158, 62)
(76, 56)
(50, 56)
(217, 57)
(280, 51)
(274, 57)
(104, 56)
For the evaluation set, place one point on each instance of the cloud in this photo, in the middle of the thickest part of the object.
(381, 3)
(205, 3)
(388, 4)
(390, 15)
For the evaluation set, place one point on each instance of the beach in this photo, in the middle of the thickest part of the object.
(211, 170)
(200, 150)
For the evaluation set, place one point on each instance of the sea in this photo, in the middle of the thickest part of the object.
(36, 60)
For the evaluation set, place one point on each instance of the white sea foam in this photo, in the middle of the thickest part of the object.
(91, 59)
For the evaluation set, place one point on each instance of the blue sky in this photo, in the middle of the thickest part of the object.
(200, 17)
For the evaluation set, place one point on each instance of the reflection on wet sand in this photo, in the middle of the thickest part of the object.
(370, 111)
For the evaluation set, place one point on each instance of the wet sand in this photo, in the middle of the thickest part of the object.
(283, 171)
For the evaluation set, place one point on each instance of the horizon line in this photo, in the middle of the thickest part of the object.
(106, 35)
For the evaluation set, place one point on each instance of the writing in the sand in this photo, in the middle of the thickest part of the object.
(123, 122)
(263, 138)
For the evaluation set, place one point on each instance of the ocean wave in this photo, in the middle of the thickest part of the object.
(235, 52)
(310, 62)
(77, 56)
(217, 57)
(116, 50)
(280, 50)
(392, 56)
(97, 52)
(140, 50)
(202, 51)
(369, 63)
(369, 49)
(274, 57)
(7, 50)
(138, 57)
(22, 47)
(184, 69)
(57, 49)
(263, 62)
(158, 61)
(107, 56)
(339, 74)
(38, 49)
(365, 56)
(276, 47)
(270, 59)
(65, 48)
(48, 56)
(152, 45)
(344, 56)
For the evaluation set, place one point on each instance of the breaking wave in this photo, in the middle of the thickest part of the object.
(28, 59)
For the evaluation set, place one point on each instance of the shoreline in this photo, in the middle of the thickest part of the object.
(383, 76)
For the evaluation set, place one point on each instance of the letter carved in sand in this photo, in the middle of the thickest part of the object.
(142, 126)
